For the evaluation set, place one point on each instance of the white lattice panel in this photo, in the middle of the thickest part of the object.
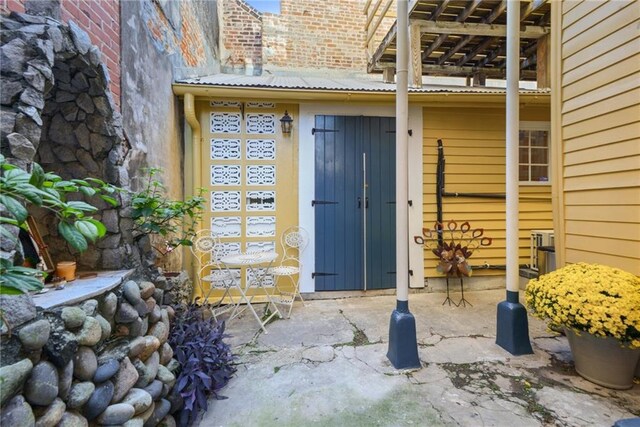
(225, 104)
(225, 123)
(260, 201)
(250, 275)
(261, 105)
(225, 149)
(261, 149)
(225, 201)
(261, 246)
(226, 175)
(261, 175)
(227, 226)
(261, 123)
(227, 248)
(261, 226)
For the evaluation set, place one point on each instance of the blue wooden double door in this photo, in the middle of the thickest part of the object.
(354, 203)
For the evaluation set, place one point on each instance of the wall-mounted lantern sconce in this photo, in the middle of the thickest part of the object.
(287, 123)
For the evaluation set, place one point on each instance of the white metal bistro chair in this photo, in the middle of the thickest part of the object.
(211, 276)
(294, 240)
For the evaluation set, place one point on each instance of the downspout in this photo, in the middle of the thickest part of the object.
(439, 188)
(196, 147)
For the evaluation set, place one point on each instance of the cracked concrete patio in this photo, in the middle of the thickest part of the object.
(327, 366)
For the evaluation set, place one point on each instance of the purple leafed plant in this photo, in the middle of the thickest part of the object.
(205, 359)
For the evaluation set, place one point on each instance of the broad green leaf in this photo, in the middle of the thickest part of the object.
(80, 182)
(88, 230)
(15, 207)
(29, 192)
(102, 230)
(87, 191)
(73, 236)
(82, 206)
(110, 200)
(13, 283)
(37, 175)
(6, 234)
(16, 175)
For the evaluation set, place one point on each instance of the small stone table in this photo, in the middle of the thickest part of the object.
(82, 289)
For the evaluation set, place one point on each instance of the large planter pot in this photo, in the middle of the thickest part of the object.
(602, 360)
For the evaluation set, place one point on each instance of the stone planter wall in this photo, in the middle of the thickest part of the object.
(105, 361)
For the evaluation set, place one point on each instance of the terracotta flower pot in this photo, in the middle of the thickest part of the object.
(602, 360)
(66, 270)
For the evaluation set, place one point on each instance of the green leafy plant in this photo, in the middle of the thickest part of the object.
(154, 213)
(19, 189)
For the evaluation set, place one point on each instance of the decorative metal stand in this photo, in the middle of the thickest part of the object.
(454, 252)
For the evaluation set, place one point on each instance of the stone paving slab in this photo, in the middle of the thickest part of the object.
(327, 366)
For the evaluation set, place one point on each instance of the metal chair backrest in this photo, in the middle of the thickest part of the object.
(294, 241)
(204, 248)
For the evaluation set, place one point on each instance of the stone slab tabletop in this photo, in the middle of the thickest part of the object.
(82, 289)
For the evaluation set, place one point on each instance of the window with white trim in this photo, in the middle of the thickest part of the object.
(534, 151)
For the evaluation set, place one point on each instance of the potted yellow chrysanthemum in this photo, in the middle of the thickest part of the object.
(599, 308)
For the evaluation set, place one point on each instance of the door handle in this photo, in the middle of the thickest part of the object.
(359, 202)
(366, 203)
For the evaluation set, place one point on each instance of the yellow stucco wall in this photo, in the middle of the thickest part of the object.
(474, 148)
(597, 96)
(286, 173)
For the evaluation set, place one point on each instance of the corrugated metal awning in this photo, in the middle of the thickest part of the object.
(332, 84)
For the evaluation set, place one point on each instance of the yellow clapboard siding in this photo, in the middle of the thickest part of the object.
(600, 78)
(603, 181)
(605, 121)
(605, 152)
(600, 48)
(573, 11)
(605, 245)
(568, 5)
(613, 89)
(610, 230)
(624, 16)
(596, 198)
(613, 259)
(597, 63)
(598, 13)
(595, 107)
(630, 215)
(603, 137)
(628, 163)
(474, 148)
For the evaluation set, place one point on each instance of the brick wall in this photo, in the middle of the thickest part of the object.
(100, 19)
(242, 35)
(316, 34)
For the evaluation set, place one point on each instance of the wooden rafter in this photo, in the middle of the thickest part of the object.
(481, 47)
(490, 30)
(443, 5)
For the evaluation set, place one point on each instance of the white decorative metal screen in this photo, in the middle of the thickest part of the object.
(258, 123)
(261, 226)
(225, 123)
(260, 201)
(226, 175)
(261, 175)
(225, 201)
(261, 105)
(261, 149)
(260, 246)
(226, 149)
(227, 226)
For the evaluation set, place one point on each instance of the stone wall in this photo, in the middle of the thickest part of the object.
(105, 361)
(57, 110)
(99, 18)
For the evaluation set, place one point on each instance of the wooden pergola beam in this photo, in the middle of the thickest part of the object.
(452, 70)
(530, 8)
(471, 7)
(452, 51)
(499, 10)
(436, 13)
(489, 30)
(475, 51)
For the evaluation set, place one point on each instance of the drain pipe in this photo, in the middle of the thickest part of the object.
(512, 329)
(403, 344)
(196, 146)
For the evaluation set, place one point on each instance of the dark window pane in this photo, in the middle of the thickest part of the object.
(524, 172)
(539, 138)
(524, 138)
(524, 155)
(539, 173)
(539, 156)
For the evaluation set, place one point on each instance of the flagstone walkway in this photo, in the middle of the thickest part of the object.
(327, 366)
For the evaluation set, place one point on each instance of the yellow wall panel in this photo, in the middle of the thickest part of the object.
(628, 132)
(474, 148)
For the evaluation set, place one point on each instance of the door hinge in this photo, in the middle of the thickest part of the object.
(322, 202)
(410, 132)
(410, 202)
(314, 130)
(314, 274)
(410, 272)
